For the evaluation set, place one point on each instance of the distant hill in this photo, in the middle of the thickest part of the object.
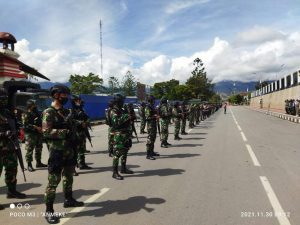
(228, 87)
(48, 84)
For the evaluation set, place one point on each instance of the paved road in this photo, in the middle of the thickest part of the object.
(239, 168)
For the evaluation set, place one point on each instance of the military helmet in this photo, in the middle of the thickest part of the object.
(119, 99)
(60, 89)
(75, 98)
(30, 103)
(163, 100)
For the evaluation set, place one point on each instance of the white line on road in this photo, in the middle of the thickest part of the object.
(88, 201)
(238, 126)
(243, 136)
(252, 155)
(279, 213)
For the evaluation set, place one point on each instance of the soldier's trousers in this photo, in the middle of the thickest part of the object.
(122, 143)
(33, 141)
(110, 138)
(176, 127)
(81, 149)
(183, 124)
(151, 140)
(164, 130)
(61, 164)
(9, 162)
(143, 124)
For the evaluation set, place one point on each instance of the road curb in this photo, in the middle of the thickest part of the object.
(293, 119)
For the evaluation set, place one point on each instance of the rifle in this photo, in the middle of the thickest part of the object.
(14, 140)
(87, 134)
(134, 130)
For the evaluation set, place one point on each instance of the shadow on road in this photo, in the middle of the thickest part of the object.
(130, 205)
(197, 133)
(185, 145)
(192, 138)
(101, 169)
(159, 172)
(179, 156)
(21, 187)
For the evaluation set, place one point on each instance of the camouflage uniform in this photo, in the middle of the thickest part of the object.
(82, 121)
(121, 132)
(191, 115)
(184, 111)
(108, 122)
(8, 156)
(61, 161)
(165, 119)
(143, 119)
(59, 131)
(150, 115)
(34, 139)
(176, 115)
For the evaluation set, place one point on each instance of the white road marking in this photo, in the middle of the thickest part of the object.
(280, 214)
(88, 201)
(190, 130)
(238, 126)
(252, 155)
(243, 136)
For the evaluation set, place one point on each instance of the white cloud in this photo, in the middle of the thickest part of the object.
(223, 61)
(258, 34)
(177, 6)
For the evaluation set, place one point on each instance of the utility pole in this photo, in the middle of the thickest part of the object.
(101, 58)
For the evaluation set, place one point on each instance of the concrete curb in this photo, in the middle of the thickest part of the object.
(294, 119)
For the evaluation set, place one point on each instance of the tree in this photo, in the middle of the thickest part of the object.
(236, 99)
(81, 84)
(113, 85)
(198, 82)
(129, 84)
(166, 89)
(215, 98)
(182, 92)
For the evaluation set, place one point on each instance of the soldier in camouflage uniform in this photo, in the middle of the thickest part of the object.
(184, 111)
(121, 130)
(82, 121)
(177, 114)
(197, 113)
(165, 117)
(151, 116)
(59, 136)
(32, 123)
(109, 123)
(142, 117)
(8, 156)
(191, 115)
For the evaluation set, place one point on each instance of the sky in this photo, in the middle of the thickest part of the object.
(157, 40)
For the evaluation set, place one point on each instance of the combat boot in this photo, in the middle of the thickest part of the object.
(29, 167)
(149, 156)
(168, 143)
(50, 215)
(39, 164)
(70, 201)
(1, 207)
(155, 154)
(125, 170)
(13, 193)
(116, 174)
(164, 144)
(177, 138)
(83, 166)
